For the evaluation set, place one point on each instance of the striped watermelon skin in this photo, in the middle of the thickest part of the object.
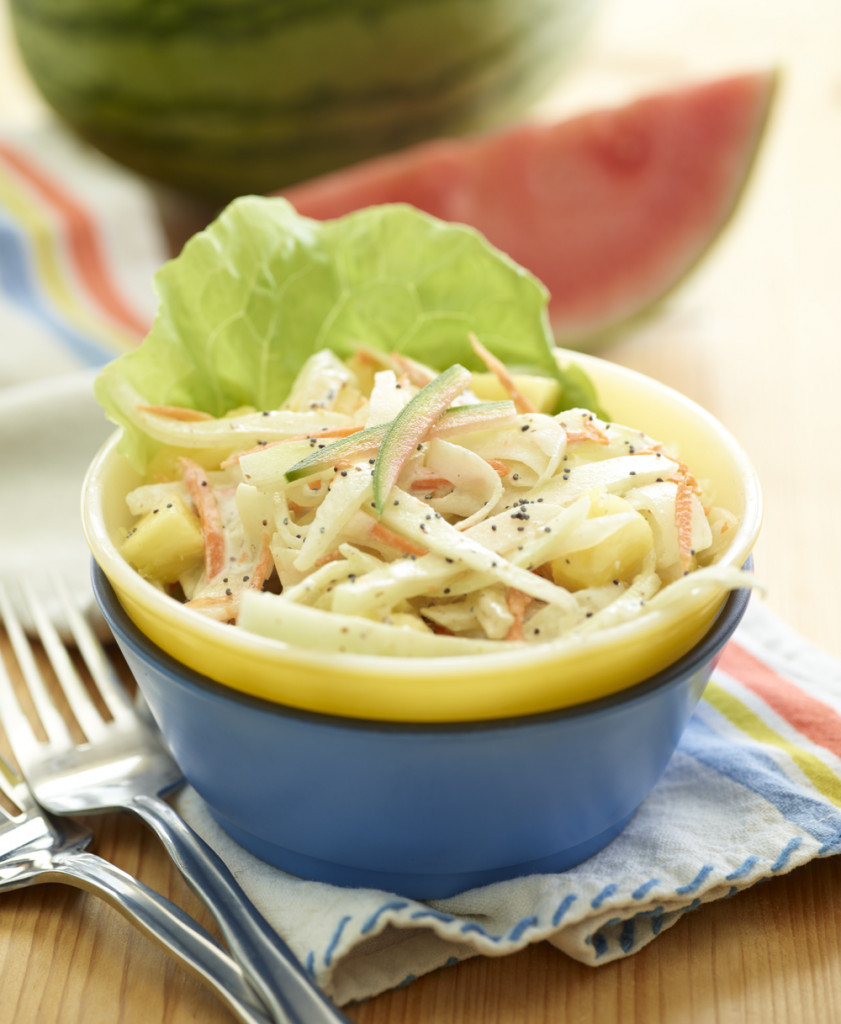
(221, 98)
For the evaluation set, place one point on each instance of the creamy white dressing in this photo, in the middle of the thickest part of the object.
(519, 528)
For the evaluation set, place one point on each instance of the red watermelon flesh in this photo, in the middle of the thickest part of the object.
(610, 209)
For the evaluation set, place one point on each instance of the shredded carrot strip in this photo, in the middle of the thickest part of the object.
(691, 482)
(683, 470)
(204, 501)
(225, 607)
(683, 519)
(499, 466)
(176, 412)
(232, 460)
(417, 375)
(429, 483)
(263, 566)
(500, 371)
(687, 486)
(412, 371)
(394, 540)
(438, 628)
(518, 604)
(331, 556)
(372, 357)
(437, 483)
(590, 433)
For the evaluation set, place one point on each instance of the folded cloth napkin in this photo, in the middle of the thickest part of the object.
(753, 790)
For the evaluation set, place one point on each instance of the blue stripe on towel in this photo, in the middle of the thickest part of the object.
(563, 907)
(437, 914)
(749, 766)
(334, 941)
(642, 891)
(372, 920)
(607, 892)
(473, 926)
(521, 926)
(627, 936)
(683, 890)
(743, 869)
(831, 845)
(786, 853)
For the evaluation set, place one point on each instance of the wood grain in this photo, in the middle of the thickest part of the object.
(754, 337)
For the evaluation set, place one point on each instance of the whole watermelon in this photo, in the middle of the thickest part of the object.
(224, 97)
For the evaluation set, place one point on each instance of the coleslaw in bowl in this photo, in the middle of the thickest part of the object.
(321, 443)
(472, 679)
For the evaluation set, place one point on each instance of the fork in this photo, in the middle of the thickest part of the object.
(126, 765)
(34, 848)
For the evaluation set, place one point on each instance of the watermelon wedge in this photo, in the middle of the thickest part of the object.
(610, 209)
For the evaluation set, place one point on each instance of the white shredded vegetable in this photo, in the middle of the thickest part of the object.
(501, 528)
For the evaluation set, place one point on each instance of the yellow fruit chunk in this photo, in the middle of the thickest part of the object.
(165, 543)
(609, 545)
(543, 392)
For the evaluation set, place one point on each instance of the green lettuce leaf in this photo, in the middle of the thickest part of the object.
(252, 296)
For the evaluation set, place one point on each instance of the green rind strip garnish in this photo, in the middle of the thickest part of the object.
(345, 448)
(412, 424)
(460, 417)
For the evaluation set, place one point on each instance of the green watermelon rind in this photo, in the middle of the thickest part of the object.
(224, 99)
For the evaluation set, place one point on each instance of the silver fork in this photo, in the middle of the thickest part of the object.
(36, 848)
(125, 765)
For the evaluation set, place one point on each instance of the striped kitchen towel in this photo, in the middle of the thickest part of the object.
(753, 791)
(80, 240)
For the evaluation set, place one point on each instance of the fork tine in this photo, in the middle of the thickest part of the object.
(21, 736)
(14, 787)
(10, 786)
(98, 664)
(77, 696)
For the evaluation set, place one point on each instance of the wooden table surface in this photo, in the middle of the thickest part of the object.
(756, 337)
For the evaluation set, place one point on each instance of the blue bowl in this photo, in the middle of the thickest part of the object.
(427, 810)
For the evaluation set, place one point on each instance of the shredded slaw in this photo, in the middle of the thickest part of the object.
(368, 515)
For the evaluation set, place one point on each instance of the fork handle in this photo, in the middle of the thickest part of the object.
(268, 962)
(162, 921)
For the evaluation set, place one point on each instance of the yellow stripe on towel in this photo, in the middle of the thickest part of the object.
(53, 274)
(825, 781)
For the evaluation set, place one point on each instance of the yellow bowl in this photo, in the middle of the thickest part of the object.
(539, 678)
